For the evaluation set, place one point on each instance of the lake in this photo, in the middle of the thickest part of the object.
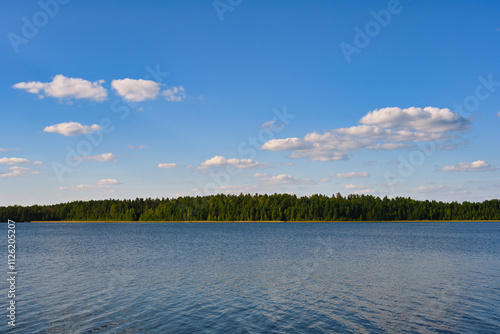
(256, 278)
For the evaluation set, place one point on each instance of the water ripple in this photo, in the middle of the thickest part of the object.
(258, 278)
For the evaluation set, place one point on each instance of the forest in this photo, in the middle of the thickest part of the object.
(276, 207)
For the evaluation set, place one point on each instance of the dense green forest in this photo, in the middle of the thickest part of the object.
(277, 207)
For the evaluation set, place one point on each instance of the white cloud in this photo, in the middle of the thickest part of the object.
(101, 184)
(359, 188)
(14, 161)
(167, 165)
(293, 143)
(287, 164)
(8, 149)
(356, 186)
(351, 175)
(498, 114)
(383, 129)
(364, 191)
(71, 128)
(140, 147)
(105, 157)
(427, 119)
(325, 179)
(64, 87)
(220, 161)
(282, 179)
(136, 90)
(16, 171)
(107, 182)
(476, 166)
(441, 188)
(174, 94)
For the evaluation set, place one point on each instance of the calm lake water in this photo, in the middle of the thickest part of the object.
(257, 278)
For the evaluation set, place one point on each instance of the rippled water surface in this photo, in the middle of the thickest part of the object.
(257, 278)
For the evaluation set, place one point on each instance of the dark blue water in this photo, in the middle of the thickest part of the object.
(257, 278)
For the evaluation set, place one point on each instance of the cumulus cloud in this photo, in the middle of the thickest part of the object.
(13, 161)
(17, 171)
(220, 161)
(174, 94)
(71, 128)
(351, 175)
(66, 88)
(136, 90)
(293, 143)
(426, 120)
(167, 165)
(282, 179)
(476, 166)
(105, 157)
(381, 129)
(101, 184)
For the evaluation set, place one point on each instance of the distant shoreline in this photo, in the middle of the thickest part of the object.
(269, 221)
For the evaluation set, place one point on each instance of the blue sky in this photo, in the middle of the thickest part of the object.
(175, 98)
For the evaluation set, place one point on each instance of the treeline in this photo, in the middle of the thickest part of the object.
(277, 207)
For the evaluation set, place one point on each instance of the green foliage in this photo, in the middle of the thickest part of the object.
(276, 207)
